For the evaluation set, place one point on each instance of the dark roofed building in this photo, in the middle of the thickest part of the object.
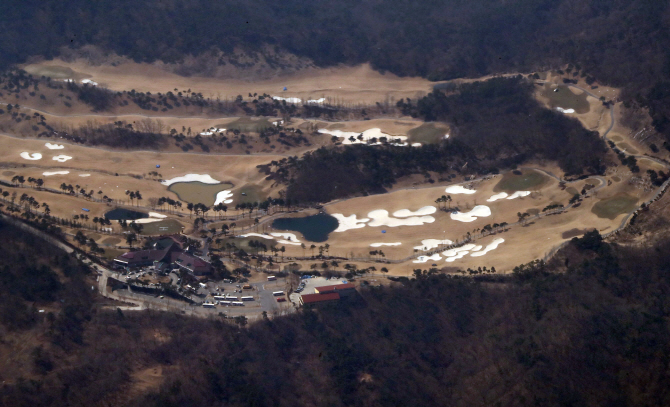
(168, 251)
(309, 299)
(191, 264)
(140, 258)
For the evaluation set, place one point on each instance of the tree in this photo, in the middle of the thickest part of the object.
(131, 238)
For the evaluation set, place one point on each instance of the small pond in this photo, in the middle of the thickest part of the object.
(125, 214)
(315, 228)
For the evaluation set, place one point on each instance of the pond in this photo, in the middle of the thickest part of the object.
(198, 192)
(125, 214)
(315, 228)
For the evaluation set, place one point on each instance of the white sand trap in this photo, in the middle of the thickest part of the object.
(146, 220)
(426, 210)
(492, 246)
(317, 101)
(348, 222)
(459, 189)
(257, 235)
(84, 175)
(385, 244)
(48, 173)
(477, 248)
(289, 238)
(204, 178)
(288, 100)
(212, 131)
(560, 109)
(446, 136)
(223, 196)
(428, 244)
(156, 215)
(54, 146)
(62, 158)
(365, 136)
(479, 211)
(459, 252)
(518, 194)
(29, 156)
(495, 197)
(423, 259)
(90, 82)
(416, 144)
(380, 217)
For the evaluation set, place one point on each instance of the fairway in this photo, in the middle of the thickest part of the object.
(163, 227)
(198, 192)
(247, 124)
(250, 193)
(612, 207)
(527, 180)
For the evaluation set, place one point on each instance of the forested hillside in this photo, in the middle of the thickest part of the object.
(619, 42)
(594, 334)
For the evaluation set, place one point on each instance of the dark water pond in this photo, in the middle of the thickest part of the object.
(125, 214)
(315, 228)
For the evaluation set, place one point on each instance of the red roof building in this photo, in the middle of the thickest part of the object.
(318, 298)
(342, 289)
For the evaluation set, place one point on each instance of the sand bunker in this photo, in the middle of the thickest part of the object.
(84, 175)
(385, 244)
(62, 158)
(477, 211)
(153, 217)
(289, 238)
(458, 189)
(224, 197)
(428, 244)
(459, 252)
(29, 156)
(492, 246)
(288, 100)
(518, 194)
(90, 82)
(48, 173)
(348, 222)
(423, 259)
(380, 217)
(495, 197)
(156, 215)
(204, 178)
(212, 131)
(257, 235)
(560, 109)
(365, 136)
(426, 210)
(54, 146)
(317, 101)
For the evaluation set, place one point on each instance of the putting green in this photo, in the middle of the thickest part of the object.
(163, 227)
(246, 124)
(198, 192)
(612, 207)
(527, 180)
(427, 133)
(563, 97)
(252, 193)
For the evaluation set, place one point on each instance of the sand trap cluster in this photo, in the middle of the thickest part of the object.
(212, 131)
(31, 156)
(365, 136)
(288, 238)
(49, 173)
(459, 252)
(204, 178)
(560, 109)
(459, 189)
(54, 146)
(491, 246)
(288, 100)
(380, 217)
(348, 222)
(479, 211)
(385, 244)
(224, 196)
(423, 259)
(504, 195)
(426, 210)
(428, 244)
(61, 158)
